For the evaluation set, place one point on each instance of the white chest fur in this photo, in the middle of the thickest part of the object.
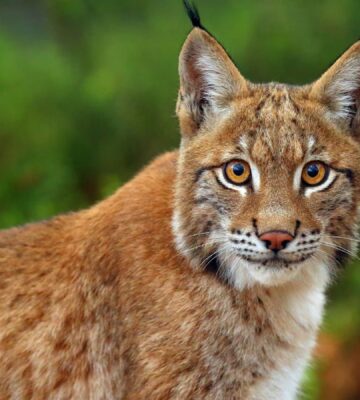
(296, 312)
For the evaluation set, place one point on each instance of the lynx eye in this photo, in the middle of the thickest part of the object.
(314, 173)
(237, 172)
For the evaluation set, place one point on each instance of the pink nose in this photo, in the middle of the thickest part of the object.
(276, 240)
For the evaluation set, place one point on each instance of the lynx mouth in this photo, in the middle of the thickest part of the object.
(277, 261)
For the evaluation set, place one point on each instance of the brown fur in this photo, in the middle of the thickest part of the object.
(100, 304)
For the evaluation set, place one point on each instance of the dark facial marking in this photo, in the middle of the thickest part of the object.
(213, 266)
(259, 107)
(254, 223)
(341, 258)
(202, 200)
(201, 170)
(296, 107)
(347, 172)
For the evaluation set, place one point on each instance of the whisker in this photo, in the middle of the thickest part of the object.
(199, 234)
(332, 246)
(225, 260)
(341, 248)
(337, 246)
(208, 259)
(342, 237)
(202, 245)
(327, 255)
(207, 243)
(221, 271)
(333, 272)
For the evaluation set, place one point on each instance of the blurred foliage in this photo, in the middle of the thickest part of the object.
(88, 92)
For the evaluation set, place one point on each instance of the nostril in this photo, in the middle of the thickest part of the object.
(285, 243)
(276, 240)
(267, 243)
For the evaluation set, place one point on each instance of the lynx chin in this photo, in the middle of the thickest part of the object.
(204, 277)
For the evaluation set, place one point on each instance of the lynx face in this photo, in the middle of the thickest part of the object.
(268, 177)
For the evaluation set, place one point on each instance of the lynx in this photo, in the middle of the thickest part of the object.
(204, 277)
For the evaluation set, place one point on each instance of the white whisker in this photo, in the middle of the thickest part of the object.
(342, 237)
(341, 248)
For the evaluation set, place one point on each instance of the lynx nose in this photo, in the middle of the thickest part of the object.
(276, 240)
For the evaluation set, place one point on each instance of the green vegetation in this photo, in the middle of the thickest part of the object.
(88, 92)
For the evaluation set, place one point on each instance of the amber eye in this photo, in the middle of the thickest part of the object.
(314, 173)
(237, 172)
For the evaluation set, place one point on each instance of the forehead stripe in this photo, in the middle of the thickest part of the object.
(260, 106)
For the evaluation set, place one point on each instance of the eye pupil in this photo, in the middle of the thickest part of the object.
(237, 172)
(312, 170)
(314, 173)
(238, 169)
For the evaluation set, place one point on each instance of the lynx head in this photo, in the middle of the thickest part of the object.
(268, 180)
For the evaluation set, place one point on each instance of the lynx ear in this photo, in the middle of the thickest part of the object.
(208, 81)
(339, 89)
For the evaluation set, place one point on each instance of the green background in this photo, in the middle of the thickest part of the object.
(88, 91)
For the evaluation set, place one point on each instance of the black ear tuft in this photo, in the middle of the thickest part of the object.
(193, 14)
